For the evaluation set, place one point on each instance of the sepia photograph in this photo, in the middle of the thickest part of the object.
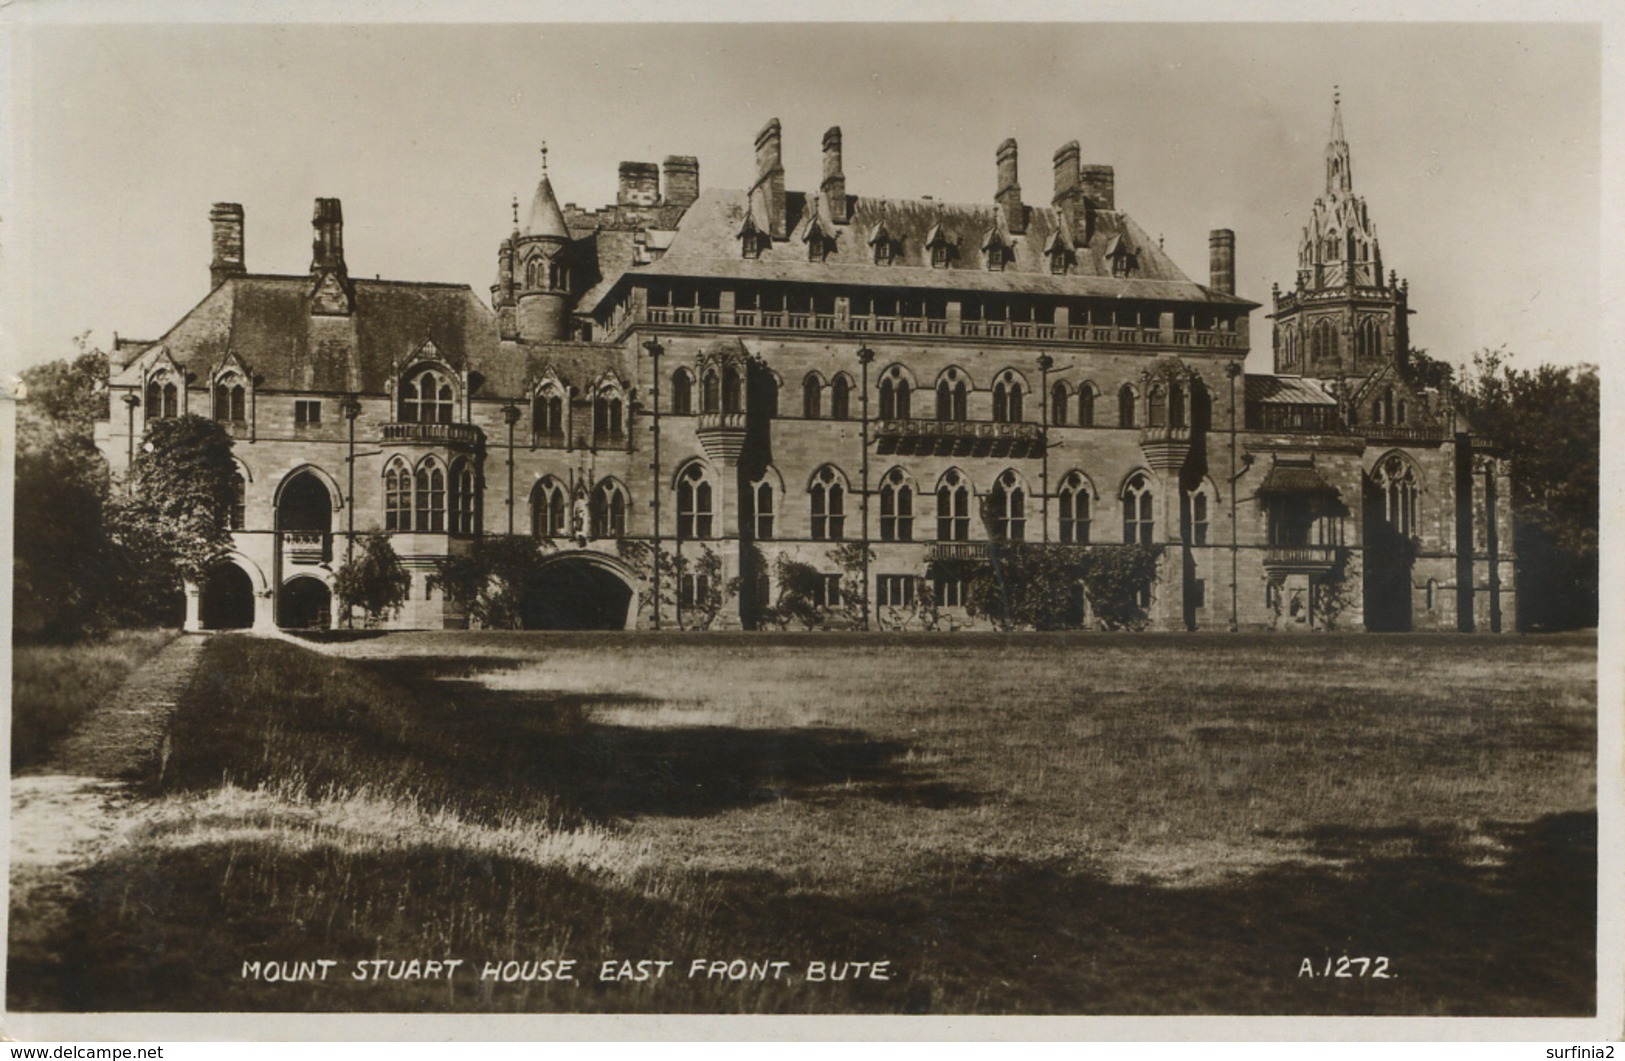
(896, 519)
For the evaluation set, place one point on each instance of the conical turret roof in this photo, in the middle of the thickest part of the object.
(545, 217)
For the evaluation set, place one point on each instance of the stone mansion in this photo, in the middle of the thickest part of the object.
(762, 371)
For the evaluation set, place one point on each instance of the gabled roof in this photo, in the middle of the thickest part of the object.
(706, 246)
(1287, 390)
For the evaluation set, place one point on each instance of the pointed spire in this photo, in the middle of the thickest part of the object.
(545, 217)
(1339, 176)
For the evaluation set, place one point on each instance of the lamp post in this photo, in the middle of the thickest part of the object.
(655, 350)
(865, 356)
(1232, 370)
(1045, 363)
(130, 402)
(351, 407)
(510, 416)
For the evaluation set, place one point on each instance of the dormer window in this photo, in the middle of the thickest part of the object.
(820, 244)
(1061, 256)
(752, 240)
(885, 247)
(998, 250)
(1122, 257)
(940, 248)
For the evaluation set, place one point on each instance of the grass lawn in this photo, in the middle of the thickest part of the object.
(53, 686)
(1087, 824)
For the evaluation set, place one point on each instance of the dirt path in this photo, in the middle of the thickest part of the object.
(65, 819)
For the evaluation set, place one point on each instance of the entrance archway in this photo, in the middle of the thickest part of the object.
(579, 592)
(227, 599)
(305, 604)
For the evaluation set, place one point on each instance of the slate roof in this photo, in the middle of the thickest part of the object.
(1287, 390)
(266, 321)
(706, 245)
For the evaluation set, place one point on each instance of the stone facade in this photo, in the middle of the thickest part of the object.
(741, 375)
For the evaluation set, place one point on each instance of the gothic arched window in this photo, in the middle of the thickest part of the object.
(1075, 509)
(236, 519)
(1007, 509)
(464, 497)
(759, 499)
(732, 400)
(896, 507)
(163, 400)
(1176, 405)
(951, 393)
(1057, 403)
(230, 400)
(429, 498)
(1193, 516)
(1086, 405)
(953, 507)
(1125, 406)
(840, 398)
(694, 501)
(1156, 406)
(426, 398)
(1007, 399)
(1396, 482)
(549, 509)
(547, 415)
(682, 392)
(894, 396)
(812, 397)
(1139, 520)
(828, 492)
(1323, 342)
(397, 496)
(711, 392)
(608, 426)
(607, 509)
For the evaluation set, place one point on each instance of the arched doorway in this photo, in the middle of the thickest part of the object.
(305, 604)
(228, 599)
(577, 592)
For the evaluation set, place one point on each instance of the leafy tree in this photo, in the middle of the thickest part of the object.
(1030, 585)
(1549, 420)
(178, 505)
(489, 584)
(373, 579)
(800, 586)
(853, 558)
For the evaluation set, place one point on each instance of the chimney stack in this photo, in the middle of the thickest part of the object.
(1099, 185)
(834, 186)
(640, 184)
(770, 178)
(1067, 176)
(327, 252)
(682, 174)
(1221, 246)
(1008, 195)
(226, 221)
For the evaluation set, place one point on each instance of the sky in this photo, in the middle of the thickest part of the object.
(1476, 146)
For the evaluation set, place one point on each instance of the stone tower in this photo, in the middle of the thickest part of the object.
(536, 271)
(1342, 318)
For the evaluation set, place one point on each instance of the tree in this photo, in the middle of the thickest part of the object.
(1548, 418)
(490, 583)
(799, 588)
(373, 579)
(180, 496)
(1031, 585)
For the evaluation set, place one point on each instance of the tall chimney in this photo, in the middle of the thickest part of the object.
(834, 186)
(327, 252)
(1221, 256)
(1067, 177)
(226, 221)
(682, 173)
(770, 178)
(639, 184)
(1008, 195)
(1099, 184)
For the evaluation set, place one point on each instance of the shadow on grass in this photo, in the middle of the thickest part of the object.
(489, 751)
(1512, 936)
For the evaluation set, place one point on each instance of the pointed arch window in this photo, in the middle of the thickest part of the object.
(894, 395)
(1368, 340)
(731, 389)
(1125, 406)
(951, 394)
(1075, 509)
(1396, 483)
(1156, 406)
(1007, 399)
(464, 498)
(896, 507)
(1007, 509)
(840, 398)
(711, 392)
(547, 416)
(230, 400)
(1193, 516)
(163, 400)
(429, 498)
(694, 501)
(812, 397)
(397, 496)
(1086, 405)
(682, 392)
(1139, 520)
(759, 511)
(828, 491)
(608, 425)
(426, 398)
(549, 510)
(1323, 342)
(1058, 403)
(606, 510)
(236, 518)
(953, 507)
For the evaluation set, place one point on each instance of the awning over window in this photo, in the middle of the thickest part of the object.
(1295, 479)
